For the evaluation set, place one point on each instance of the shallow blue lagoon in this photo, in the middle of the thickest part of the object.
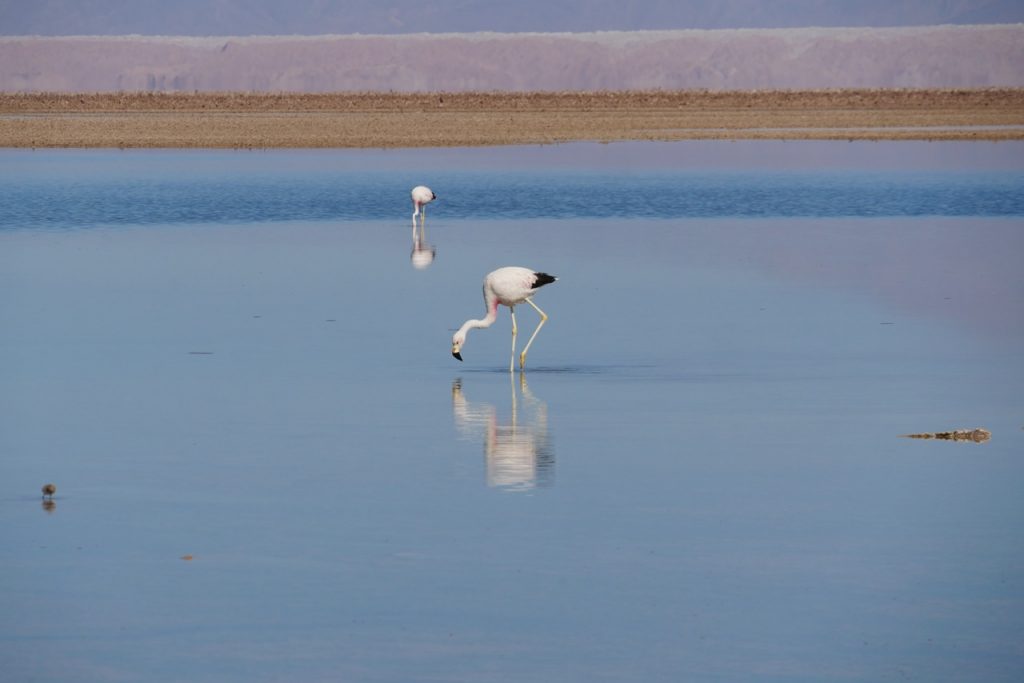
(244, 359)
(77, 189)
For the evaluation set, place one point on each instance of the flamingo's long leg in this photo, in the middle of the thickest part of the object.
(512, 358)
(543, 319)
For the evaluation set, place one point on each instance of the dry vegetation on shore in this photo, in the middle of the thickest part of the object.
(254, 120)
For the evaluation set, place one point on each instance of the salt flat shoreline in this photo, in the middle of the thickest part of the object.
(382, 120)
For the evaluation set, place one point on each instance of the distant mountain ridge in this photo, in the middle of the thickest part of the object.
(304, 17)
(741, 59)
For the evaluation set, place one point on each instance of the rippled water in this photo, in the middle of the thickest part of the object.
(82, 189)
(236, 368)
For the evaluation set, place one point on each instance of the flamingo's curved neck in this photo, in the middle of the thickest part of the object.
(488, 320)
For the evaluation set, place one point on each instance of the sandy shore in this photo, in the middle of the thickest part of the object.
(233, 120)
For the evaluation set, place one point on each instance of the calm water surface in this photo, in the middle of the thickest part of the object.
(244, 358)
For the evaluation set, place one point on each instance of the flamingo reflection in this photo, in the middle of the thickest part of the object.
(422, 252)
(517, 452)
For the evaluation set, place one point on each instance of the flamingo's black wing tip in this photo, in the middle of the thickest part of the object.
(543, 279)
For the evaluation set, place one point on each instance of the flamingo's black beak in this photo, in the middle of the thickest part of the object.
(456, 354)
(433, 196)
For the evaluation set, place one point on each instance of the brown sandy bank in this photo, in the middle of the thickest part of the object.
(244, 120)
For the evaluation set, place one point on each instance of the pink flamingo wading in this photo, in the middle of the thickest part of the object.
(507, 286)
(421, 196)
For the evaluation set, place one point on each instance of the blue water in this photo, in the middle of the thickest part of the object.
(236, 369)
(55, 189)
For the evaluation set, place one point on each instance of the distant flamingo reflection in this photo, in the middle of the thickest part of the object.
(423, 253)
(517, 452)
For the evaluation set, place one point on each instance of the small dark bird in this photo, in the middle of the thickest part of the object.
(49, 490)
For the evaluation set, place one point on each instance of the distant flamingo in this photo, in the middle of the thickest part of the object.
(421, 196)
(506, 286)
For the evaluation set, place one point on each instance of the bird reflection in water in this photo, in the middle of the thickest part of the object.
(422, 252)
(517, 452)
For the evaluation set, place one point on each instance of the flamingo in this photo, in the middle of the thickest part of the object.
(508, 286)
(421, 196)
